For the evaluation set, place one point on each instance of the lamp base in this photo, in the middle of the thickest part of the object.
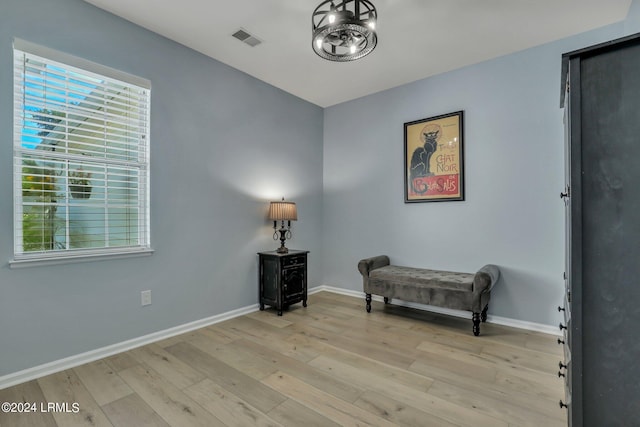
(283, 237)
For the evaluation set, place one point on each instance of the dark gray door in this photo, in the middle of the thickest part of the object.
(610, 263)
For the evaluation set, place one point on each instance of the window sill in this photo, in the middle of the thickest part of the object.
(69, 259)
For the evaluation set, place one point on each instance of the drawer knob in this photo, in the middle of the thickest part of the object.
(561, 342)
(562, 326)
(560, 374)
(563, 405)
(560, 309)
(562, 365)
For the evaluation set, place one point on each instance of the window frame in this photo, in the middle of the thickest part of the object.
(72, 64)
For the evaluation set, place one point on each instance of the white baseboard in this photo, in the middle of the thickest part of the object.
(100, 353)
(505, 321)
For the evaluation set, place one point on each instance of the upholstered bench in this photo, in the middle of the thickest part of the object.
(446, 289)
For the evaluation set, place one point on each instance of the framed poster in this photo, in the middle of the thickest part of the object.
(434, 159)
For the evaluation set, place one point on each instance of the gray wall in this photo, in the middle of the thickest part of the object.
(632, 23)
(222, 145)
(514, 164)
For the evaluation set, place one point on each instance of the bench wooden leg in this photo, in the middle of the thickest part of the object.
(476, 323)
(368, 299)
(483, 315)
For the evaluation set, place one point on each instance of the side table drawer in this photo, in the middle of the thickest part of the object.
(294, 260)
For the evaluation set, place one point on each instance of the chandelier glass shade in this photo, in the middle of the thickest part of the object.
(344, 30)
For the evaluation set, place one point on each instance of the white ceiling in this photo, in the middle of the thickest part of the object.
(416, 38)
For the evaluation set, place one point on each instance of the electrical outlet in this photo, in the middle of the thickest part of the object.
(145, 298)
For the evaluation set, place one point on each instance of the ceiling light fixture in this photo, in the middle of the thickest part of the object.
(344, 30)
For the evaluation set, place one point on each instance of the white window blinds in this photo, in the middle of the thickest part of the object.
(81, 158)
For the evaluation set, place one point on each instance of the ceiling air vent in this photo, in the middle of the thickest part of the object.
(247, 38)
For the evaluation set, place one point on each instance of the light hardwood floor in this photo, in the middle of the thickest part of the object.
(330, 364)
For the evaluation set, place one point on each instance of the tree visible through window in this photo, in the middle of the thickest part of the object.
(81, 158)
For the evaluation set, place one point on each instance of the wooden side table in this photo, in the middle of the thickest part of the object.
(283, 279)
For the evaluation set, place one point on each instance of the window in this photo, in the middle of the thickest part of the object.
(81, 158)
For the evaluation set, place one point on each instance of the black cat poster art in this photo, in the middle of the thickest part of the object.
(434, 160)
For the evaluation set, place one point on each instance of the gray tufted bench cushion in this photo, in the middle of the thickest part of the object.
(447, 289)
(421, 277)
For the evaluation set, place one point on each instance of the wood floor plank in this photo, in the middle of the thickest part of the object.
(332, 310)
(368, 379)
(121, 361)
(464, 365)
(455, 340)
(511, 372)
(384, 354)
(471, 361)
(102, 382)
(391, 373)
(504, 335)
(249, 364)
(240, 384)
(170, 367)
(495, 406)
(418, 399)
(335, 299)
(520, 356)
(532, 382)
(338, 410)
(299, 347)
(175, 407)
(320, 320)
(510, 389)
(219, 335)
(268, 318)
(399, 412)
(133, 411)
(274, 338)
(292, 414)
(228, 407)
(66, 388)
(330, 384)
(22, 393)
(335, 311)
(544, 343)
(247, 326)
(400, 339)
(168, 342)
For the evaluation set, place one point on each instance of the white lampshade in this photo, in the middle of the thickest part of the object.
(281, 210)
